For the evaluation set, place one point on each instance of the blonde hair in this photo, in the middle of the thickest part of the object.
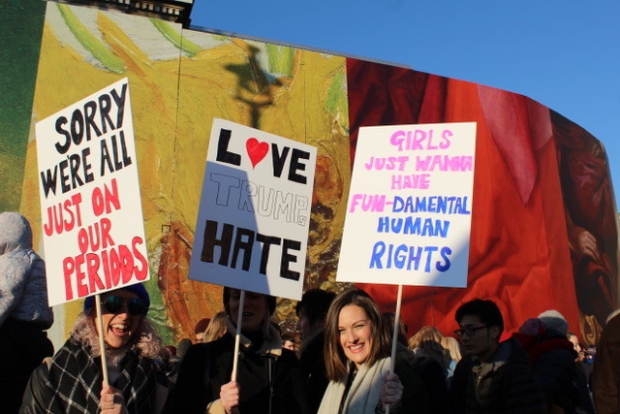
(453, 346)
(427, 342)
(426, 333)
(145, 338)
(216, 328)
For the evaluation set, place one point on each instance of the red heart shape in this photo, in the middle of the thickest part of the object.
(256, 150)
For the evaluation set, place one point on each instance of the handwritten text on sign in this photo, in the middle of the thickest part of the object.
(409, 210)
(93, 230)
(254, 217)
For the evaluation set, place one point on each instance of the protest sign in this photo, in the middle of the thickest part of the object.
(254, 216)
(93, 232)
(409, 209)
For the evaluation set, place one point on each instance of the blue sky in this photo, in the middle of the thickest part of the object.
(563, 54)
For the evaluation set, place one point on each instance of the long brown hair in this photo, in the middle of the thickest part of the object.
(336, 363)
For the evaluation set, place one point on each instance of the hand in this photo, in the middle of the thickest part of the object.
(392, 391)
(583, 242)
(229, 394)
(112, 401)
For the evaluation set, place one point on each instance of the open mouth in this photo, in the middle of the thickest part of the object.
(356, 348)
(119, 329)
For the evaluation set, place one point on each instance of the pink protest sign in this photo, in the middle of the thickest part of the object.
(409, 208)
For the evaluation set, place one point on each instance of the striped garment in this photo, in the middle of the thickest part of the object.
(73, 383)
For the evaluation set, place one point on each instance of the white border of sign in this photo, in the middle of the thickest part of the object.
(409, 209)
(93, 228)
(254, 216)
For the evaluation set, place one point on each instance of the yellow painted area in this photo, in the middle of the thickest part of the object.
(173, 103)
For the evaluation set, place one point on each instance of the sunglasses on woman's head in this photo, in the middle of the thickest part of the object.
(135, 306)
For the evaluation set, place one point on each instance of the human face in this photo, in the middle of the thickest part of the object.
(478, 339)
(288, 344)
(355, 331)
(254, 310)
(303, 325)
(577, 347)
(121, 326)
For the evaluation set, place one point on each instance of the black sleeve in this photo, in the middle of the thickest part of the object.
(37, 395)
(291, 388)
(436, 386)
(415, 398)
(458, 387)
(190, 394)
(554, 371)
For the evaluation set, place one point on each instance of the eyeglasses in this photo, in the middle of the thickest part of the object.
(469, 331)
(135, 306)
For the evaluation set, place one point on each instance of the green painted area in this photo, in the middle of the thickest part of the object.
(100, 51)
(176, 38)
(21, 28)
(280, 59)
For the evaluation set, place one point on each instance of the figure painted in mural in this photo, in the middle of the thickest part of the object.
(591, 222)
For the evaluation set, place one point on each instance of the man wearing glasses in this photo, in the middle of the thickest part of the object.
(493, 376)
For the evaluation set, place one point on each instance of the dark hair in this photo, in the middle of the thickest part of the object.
(486, 310)
(287, 336)
(336, 363)
(315, 304)
(389, 319)
(271, 300)
(137, 289)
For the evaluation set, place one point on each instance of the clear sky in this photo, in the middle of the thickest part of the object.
(564, 54)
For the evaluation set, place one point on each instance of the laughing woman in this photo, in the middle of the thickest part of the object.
(73, 381)
(357, 358)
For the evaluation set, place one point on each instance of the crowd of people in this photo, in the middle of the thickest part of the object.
(342, 358)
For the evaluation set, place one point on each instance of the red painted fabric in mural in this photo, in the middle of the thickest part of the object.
(590, 211)
(519, 253)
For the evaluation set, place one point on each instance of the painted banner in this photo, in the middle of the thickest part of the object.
(93, 232)
(409, 210)
(254, 216)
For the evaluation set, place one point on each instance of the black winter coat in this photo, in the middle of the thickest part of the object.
(503, 384)
(314, 371)
(266, 379)
(553, 364)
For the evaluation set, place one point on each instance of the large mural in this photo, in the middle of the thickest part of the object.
(544, 229)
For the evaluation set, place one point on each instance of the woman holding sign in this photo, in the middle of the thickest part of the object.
(73, 381)
(357, 358)
(268, 377)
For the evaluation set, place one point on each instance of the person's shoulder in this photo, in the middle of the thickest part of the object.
(217, 347)
(288, 358)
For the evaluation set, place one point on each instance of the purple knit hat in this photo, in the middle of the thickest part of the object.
(138, 289)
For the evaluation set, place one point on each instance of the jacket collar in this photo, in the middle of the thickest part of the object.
(272, 343)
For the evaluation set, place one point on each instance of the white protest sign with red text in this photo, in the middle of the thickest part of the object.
(409, 210)
(254, 217)
(93, 231)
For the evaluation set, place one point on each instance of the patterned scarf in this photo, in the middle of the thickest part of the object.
(73, 383)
